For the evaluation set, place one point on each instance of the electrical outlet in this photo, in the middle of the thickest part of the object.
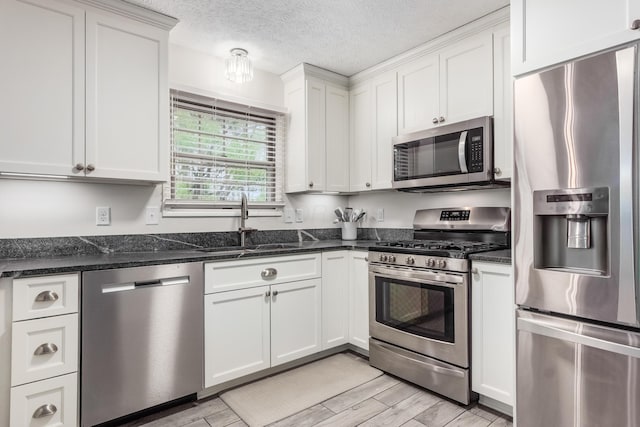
(380, 215)
(152, 216)
(299, 215)
(103, 215)
(288, 215)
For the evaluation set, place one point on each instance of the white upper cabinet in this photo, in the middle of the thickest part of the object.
(502, 104)
(548, 32)
(127, 99)
(337, 138)
(317, 146)
(466, 79)
(418, 94)
(374, 122)
(453, 84)
(42, 83)
(361, 144)
(87, 90)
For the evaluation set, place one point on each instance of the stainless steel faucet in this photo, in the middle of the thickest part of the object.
(244, 215)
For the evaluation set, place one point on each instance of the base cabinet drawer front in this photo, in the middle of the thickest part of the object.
(35, 297)
(247, 273)
(237, 334)
(51, 402)
(43, 348)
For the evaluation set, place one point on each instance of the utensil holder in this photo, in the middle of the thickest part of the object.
(349, 230)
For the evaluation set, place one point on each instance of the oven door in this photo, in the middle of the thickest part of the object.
(422, 311)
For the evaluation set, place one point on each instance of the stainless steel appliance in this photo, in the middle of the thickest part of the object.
(419, 297)
(142, 339)
(576, 242)
(451, 156)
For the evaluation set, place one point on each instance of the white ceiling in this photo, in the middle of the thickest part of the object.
(345, 36)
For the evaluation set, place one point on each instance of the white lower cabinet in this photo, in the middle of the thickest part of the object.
(493, 332)
(44, 350)
(51, 402)
(359, 299)
(335, 299)
(251, 329)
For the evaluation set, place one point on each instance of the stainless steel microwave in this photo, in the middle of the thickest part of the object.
(445, 157)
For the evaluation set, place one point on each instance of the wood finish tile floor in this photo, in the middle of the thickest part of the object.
(383, 401)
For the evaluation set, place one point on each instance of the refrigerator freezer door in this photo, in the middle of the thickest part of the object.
(576, 374)
(574, 130)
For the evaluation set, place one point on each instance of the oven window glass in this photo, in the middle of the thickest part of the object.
(428, 157)
(416, 308)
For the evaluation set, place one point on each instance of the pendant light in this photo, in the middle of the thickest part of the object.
(238, 67)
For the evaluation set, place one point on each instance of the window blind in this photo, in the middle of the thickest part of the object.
(220, 150)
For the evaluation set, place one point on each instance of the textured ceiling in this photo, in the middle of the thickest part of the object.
(345, 36)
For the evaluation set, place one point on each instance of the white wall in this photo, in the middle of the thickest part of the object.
(50, 209)
(399, 208)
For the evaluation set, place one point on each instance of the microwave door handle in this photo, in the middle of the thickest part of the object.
(462, 150)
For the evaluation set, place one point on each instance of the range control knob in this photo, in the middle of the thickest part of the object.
(411, 260)
(430, 262)
(392, 258)
(442, 263)
(383, 257)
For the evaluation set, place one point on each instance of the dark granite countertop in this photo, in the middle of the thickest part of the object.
(502, 256)
(64, 264)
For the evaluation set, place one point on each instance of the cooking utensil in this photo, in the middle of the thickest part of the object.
(360, 215)
(339, 214)
(348, 212)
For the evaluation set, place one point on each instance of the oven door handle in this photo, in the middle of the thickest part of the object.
(439, 279)
(462, 152)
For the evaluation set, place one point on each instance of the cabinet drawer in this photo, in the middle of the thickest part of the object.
(247, 273)
(42, 296)
(51, 402)
(43, 348)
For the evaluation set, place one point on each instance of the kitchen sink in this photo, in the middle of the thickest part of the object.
(239, 250)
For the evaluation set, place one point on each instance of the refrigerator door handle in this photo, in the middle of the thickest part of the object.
(627, 105)
(547, 329)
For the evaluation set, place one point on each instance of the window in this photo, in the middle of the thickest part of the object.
(220, 150)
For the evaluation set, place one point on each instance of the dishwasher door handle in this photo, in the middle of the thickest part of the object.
(120, 287)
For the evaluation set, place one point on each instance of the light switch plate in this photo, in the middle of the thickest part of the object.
(299, 215)
(152, 215)
(288, 215)
(103, 215)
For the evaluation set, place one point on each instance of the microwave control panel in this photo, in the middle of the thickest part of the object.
(475, 152)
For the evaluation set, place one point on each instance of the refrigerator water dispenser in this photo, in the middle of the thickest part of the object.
(570, 230)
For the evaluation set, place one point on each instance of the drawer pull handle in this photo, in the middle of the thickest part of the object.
(275, 293)
(269, 273)
(48, 348)
(45, 411)
(47, 296)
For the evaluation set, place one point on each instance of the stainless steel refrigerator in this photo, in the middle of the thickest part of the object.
(576, 222)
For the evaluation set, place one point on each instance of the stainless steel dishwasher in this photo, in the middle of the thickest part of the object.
(142, 338)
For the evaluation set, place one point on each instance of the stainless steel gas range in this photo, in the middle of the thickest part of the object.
(419, 297)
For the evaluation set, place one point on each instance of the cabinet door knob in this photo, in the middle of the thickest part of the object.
(441, 119)
(635, 25)
(267, 294)
(269, 273)
(47, 296)
(45, 411)
(79, 167)
(497, 171)
(43, 349)
(275, 293)
(311, 184)
(474, 271)
(368, 184)
(90, 167)
(434, 121)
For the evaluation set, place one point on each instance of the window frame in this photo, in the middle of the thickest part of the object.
(172, 207)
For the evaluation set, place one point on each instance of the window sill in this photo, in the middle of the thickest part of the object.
(218, 213)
